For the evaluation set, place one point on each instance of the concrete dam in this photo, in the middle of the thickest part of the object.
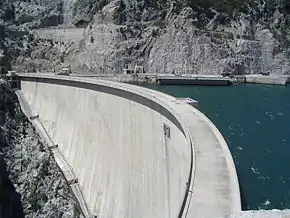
(131, 152)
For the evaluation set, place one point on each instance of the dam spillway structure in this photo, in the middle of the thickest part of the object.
(128, 151)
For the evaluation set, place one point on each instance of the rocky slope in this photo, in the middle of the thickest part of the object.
(174, 36)
(29, 176)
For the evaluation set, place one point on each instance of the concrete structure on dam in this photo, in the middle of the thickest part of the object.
(131, 152)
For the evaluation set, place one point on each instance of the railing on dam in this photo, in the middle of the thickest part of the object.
(132, 149)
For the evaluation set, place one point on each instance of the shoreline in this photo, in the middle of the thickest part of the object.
(191, 79)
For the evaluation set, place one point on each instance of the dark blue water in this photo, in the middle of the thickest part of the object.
(255, 121)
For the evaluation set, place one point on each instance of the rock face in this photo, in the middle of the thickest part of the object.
(183, 36)
(29, 177)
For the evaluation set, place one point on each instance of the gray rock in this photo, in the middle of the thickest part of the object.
(163, 36)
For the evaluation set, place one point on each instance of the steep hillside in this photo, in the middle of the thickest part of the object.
(182, 36)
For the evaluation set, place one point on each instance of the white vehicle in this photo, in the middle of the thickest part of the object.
(11, 73)
(64, 71)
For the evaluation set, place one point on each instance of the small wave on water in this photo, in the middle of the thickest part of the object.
(264, 178)
(255, 170)
(279, 113)
(231, 132)
(268, 151)
(266, 203)
(271, 116)
(236, 130)
(282, 180)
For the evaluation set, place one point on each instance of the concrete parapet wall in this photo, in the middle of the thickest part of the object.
(112, 136)
(269, 80)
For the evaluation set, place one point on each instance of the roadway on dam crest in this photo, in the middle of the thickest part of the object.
(112, 137)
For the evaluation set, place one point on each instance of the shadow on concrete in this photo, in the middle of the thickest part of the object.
(245, 206)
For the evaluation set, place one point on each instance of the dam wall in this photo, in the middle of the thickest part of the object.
(135, 152)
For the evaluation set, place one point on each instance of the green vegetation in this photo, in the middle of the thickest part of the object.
(161, 24)
(155, 3)
(230, 7)
(225, 6)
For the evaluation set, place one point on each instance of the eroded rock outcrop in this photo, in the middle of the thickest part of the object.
(204, 37)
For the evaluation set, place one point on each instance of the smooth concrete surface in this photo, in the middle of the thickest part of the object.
(112, 137)
(269, 80)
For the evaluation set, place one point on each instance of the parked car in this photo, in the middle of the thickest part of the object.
(64, 71)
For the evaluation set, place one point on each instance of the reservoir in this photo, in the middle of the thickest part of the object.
(255, 121)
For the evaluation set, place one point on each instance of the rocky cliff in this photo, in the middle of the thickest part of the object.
(174, 36)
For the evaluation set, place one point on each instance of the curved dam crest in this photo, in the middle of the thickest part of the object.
(135, 152)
